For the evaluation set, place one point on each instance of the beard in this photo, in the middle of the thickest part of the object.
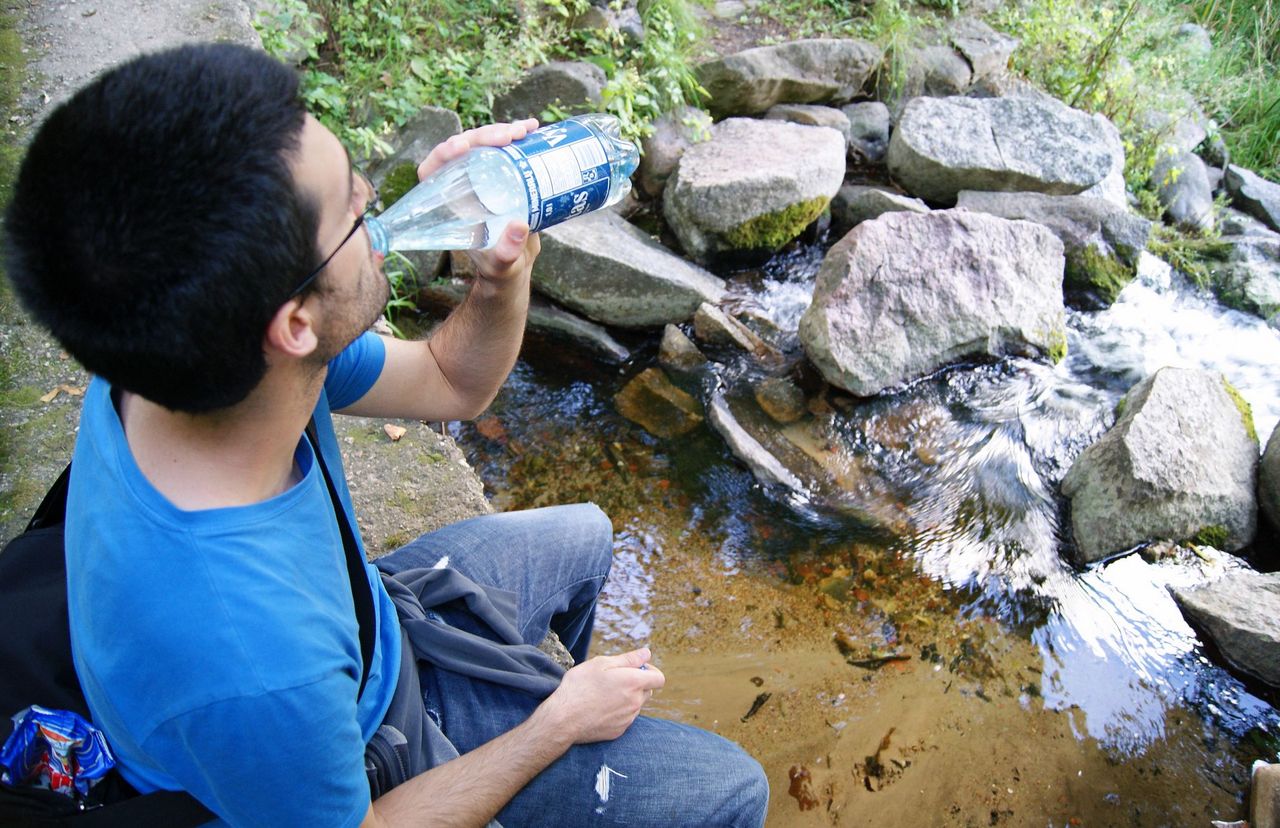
(349, 317)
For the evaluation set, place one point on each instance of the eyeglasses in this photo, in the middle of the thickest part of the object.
(369, 207)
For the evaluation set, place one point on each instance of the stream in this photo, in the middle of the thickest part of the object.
(957, 668)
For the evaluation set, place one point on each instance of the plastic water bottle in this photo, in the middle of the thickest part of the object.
(560, 171)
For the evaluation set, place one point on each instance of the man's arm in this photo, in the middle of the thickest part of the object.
(597, 701)
(456, 373)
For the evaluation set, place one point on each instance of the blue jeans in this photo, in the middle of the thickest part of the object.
(658, 773)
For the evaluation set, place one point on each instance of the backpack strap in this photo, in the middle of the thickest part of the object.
(361, 595)
(52, 511)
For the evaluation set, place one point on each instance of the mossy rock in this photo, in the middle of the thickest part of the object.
(1216, 536)
(399, 180)
(772, 230)
(1246, 412)
(1094, 279)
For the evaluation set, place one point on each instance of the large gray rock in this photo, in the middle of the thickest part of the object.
(753, 187)
(612, 272)
(1249, 280)
(987, 50)
(1254, 195)
(904, 295)
(1182, 185)
(869, 124)
(944, 145)
(1269, 480)
(811, 115)
(1077, 220)
(1240, 613)
(1182, 128)
(603, 17)
(431, 126)
(1102, 241)
(856, 203)
(1112, 187)
(575, 86)
(673, 133)
(823, 70)
(937, 70)
(1179, 464)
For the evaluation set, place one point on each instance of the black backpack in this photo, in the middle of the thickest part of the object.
(36, 668)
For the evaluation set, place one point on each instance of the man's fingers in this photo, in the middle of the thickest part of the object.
(634, 658)
(651, 678)
(511, 245)
(490, 135)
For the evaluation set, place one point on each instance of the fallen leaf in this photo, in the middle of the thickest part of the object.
(51, 395)
(73, 390)
(491, 429)
(395, 432)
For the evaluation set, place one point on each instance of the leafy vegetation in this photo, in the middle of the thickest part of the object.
(1127, 58)
(370, 65)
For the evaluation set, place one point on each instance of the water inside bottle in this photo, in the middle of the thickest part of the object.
(470, 207)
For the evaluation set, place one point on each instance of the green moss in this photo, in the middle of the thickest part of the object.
(1196, 256)
(1120, 408)
(1057, 346)
(13, 68)
(772, 230)
(1094, 273)
(1246, 413)
(20, 397)
(401, 179)
(1215, 536)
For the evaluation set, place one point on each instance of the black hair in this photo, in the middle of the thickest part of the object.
(155, 225)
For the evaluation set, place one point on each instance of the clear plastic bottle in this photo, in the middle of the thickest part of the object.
(560, 171)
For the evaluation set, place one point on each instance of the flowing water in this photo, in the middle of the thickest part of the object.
(922, 651)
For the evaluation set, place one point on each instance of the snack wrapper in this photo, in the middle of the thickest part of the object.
(55, 749)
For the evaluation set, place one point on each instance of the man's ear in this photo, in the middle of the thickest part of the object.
(291, 331)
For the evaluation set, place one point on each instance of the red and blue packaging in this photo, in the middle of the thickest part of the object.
(55, 749)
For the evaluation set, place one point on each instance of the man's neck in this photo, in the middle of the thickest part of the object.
(232, 457)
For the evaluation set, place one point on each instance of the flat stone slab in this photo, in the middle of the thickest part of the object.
(1240, 613)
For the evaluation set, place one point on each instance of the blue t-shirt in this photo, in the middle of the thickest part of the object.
(218, 649)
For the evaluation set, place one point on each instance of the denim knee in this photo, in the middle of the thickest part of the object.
(598, 528)
(754, 795)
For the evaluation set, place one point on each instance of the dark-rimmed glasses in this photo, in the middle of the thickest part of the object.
(369, 207)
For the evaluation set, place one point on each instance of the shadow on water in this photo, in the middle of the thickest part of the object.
(968, 461)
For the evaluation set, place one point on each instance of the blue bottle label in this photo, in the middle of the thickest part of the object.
(565, 170)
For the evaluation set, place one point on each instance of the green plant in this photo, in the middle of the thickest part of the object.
(289, 28)
(1120, 58)
(1240, 83)
(1196, 256)
(373, 64)
(654, 78)
(892, 27)
(402, 276)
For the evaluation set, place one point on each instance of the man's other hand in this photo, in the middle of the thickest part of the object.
(600, 698)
